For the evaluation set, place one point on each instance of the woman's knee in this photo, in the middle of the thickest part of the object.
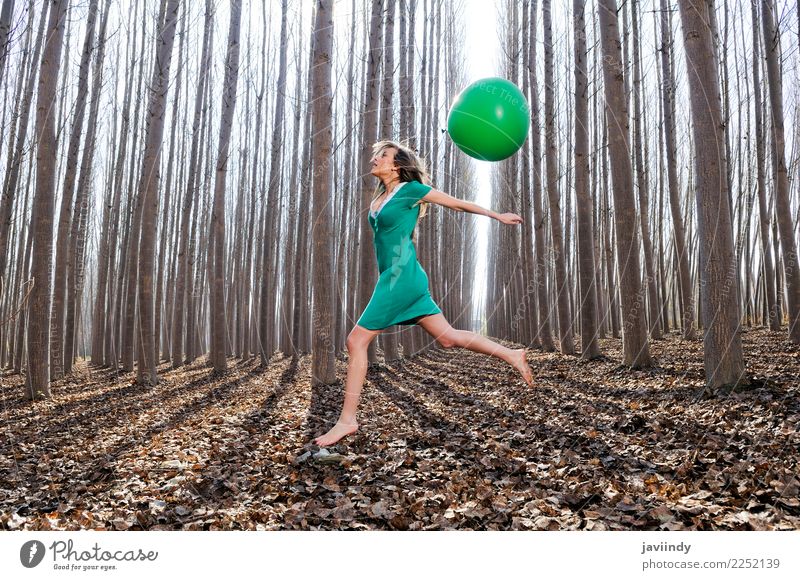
(352, 343)
(357, 341)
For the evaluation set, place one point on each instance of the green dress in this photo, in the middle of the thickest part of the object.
(401, 294)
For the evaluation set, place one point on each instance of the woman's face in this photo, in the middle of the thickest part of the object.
(383, 163)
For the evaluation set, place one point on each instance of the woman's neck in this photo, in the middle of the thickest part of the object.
(391, 183)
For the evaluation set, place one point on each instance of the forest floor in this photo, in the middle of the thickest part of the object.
(448, 439)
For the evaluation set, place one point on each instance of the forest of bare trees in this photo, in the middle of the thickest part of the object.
(660, 235)
(190, 179)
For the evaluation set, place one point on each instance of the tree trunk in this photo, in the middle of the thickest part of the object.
(270, 241)
(57, 355)
(761, 182)
(668, 103)
(103, 328)
(367, 265)
(193, 179)
(15, 157)
(566, 340)
(291, 313)
(302, 297)
(323, 369)
(635, 348)
(544, 333)
(38, 377)
(172, 195)
(388, 339)
(127, 297)
(79, 226)
(718, 278)
(529, 314)
(584, 202)
(24, 257)
(791, 267)
(347, 228)
(643, 185)
(217, 306)
(148, 193)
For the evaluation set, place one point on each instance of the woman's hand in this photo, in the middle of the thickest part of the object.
(509, 218)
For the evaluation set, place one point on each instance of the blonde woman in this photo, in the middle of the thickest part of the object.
(401, 294)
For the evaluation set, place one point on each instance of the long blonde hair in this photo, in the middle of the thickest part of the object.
(411, 168)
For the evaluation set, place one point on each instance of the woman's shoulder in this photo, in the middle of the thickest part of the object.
(413, 191)
(415, 185)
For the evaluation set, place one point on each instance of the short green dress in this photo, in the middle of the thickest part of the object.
(401, 294)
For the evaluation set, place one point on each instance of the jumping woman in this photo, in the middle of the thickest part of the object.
(401, 294)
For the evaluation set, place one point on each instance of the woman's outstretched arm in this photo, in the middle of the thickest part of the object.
(447, 200)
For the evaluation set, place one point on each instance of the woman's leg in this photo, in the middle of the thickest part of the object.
(357, 343)
(437, 326)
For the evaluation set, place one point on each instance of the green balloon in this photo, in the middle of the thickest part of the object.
(489, 119)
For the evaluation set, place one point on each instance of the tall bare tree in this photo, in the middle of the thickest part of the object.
(544, 333)
(169, 216)
(76, 251)
(761, 182)
(127, 298)
(388, 340)
(718, 278)
(530, 321)
(148, 193)
(679, 236)
(367, 267)
(323, 369)
(217, 308)
(791, 267)
(635, 348)
(192, 180)
(267, 297)
(38, 377)
(18, 138)
(68, 191)
(642, 183)
(566, 340)
(584, 203)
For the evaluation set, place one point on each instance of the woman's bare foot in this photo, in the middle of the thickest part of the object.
(519, 361)
(337, 432)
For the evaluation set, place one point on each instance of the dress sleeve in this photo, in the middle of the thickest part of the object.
(415, 191)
